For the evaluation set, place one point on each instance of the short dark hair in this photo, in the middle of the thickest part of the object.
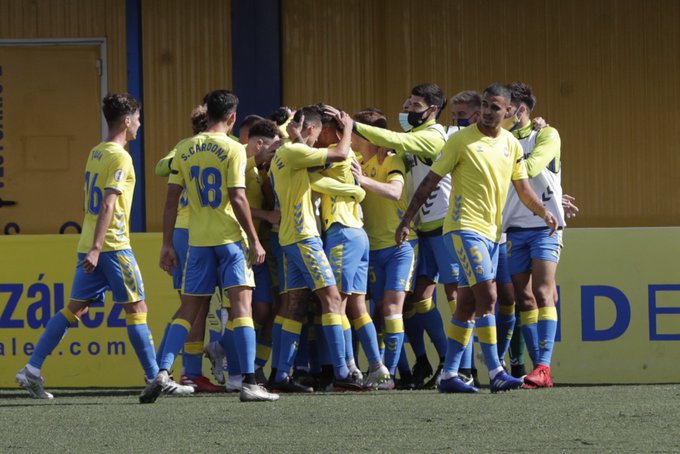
(524, 94)
(118, 105)
(469, 97)
(312, 114)
(433, 95)
(280, 115)
(199, 119)
(220, 104)
(264, 128)
(498, 89)
(249, 121)
(326, 118)
(371, 116)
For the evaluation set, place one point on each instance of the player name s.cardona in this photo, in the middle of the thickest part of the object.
(206, 146)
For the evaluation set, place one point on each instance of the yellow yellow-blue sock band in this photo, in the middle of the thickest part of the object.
(424, 306)
(364, 319)
(547, 313)
(529, 317)
(331, 319)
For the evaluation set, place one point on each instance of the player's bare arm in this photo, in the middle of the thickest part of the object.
(531, 201)
(89, 262)
(391, 190)
(239, 202)
(422, 193)
(168, 259)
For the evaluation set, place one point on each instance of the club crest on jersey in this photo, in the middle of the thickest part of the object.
(480, 148)
(506, 152)
(119, 175)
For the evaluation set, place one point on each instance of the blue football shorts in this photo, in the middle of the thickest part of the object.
(477, 256)
(525, 245)
(434, 260)
(347, 251)
(306, 265)
(116, 271)
(503, 270)
(224, 266)
(262, 293)
(391, 268)
(180, 241)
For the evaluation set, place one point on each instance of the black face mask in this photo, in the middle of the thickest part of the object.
(416, 119)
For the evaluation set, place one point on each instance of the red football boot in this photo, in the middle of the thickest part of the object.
(539, 378)
(201, 384)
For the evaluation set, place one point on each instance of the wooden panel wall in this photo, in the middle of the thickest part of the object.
(71, 19)
(606, 74)
(186, 53)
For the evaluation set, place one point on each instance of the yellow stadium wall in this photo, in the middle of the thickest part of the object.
(606, 74)
(184, 56)
(186, 52)
(602, 71)
(46, 19)
(619, 309)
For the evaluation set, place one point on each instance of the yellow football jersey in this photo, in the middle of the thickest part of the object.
(381, 215)
(207, 165)
(163, 170)
(109, 166)
(482, 168)
(341, 209)
(254, 189)
(290, 180)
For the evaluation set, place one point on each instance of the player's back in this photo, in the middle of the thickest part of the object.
(344, 210)
(108, 166)
(292, 189)
(207, 165)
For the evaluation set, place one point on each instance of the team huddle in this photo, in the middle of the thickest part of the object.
(323, 231)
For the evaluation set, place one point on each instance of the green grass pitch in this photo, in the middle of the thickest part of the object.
(575, 419)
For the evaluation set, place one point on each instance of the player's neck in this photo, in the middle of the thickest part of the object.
(368, 152)
(119, 137)
(220, 126)
(488, 131)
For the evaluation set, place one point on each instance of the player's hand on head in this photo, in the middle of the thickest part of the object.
(539, 123)
(294, 128)
(346, 120)
(332, 111)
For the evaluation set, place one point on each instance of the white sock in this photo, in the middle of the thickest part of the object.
(493, 373)
(448, 374)
(33, 370)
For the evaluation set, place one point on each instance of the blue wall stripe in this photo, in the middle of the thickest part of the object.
(256, 51)
(133, 34)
